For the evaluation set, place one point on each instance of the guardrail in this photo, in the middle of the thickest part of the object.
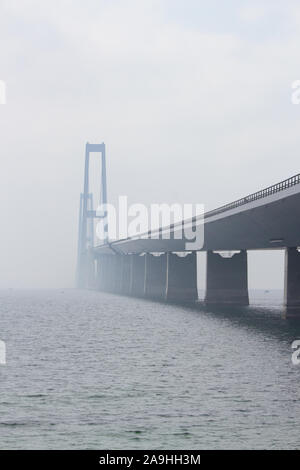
(275, 188)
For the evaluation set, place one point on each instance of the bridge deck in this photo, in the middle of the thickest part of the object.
(266, 219)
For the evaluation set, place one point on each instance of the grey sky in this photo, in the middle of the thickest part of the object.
(193, 100)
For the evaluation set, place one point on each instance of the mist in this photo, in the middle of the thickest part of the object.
(193, 107)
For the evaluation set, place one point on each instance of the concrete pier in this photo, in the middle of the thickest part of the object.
(118, 274)
(104, 272)
(111, 273)
(181, 283)
(137, 279)
(155, 276)
(227, 279)
(126, 274)
(292, 283)
(86, 276)
(98, 272)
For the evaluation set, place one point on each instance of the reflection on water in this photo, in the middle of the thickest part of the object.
(92, 370)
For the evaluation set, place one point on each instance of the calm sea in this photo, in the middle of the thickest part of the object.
(88, 370)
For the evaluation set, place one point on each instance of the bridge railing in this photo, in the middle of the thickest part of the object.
(275, 188)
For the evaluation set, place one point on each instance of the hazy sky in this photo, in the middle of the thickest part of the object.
(192, 98)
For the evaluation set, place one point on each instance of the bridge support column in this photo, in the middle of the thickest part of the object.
(112, 273)
(118, 281)
(126, 274)
(137, 278)
(292, 283)
(155, 276)
(91, 274)
(105, 265)
(182, 278)
(98, 273)
(86, 275)
(227, 279)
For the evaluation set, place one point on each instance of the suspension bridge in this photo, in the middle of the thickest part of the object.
(161, 269)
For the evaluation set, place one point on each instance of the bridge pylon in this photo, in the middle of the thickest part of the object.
(85, 275)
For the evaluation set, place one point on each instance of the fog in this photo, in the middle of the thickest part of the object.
(192, 99)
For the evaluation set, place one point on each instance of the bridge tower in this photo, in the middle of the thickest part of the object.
(85, 276)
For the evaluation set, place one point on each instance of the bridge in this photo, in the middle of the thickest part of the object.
(162, 269)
